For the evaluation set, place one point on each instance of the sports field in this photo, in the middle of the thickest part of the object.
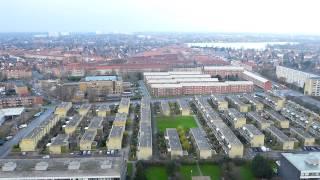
(185, 122)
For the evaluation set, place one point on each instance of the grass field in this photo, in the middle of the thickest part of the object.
(246, 173)
(185, 122)
(156, 173)
(211, 170)
(129, 169)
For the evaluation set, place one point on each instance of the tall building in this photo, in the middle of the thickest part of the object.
(102, 84)
(312, 86)
(300, 166)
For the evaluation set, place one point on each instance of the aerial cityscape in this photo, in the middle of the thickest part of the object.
(151, 101)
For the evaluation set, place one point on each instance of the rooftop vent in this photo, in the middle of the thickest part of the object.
(9, 166)
(312, 161)
(74, 165)
(41, 166)
(106, 164)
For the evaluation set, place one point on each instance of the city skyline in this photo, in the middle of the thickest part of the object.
(292, 17)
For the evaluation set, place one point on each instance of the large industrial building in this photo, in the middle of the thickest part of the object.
(63, 168)
(299, 166)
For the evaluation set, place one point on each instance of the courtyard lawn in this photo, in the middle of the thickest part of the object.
(186, 173)
(129, 169)
(185, 122)
(211, 170)
(156, 173)
(246, 173)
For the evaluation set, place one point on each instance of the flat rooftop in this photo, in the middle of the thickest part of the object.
(173, 138)
(227, 133)
(200, 139)
(104, 107)
(95, 123)
(58, 168)
(307, 162)
(116, 132)
(124, 102)
(252, 129)
(183, 104)
(60, 139)
(100, 78)
(75, 121)
(121, 117)
(88, 136)
(255, 76)
(145, 135)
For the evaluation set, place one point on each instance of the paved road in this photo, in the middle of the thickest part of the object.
(6, 148)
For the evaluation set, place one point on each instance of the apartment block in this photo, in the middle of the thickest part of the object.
(18, 101)
(231, 145)
(124, 105)
(96, 124)
(84, 109)
(60, 144)
(223, 71)
(293, 76)
(204, 108)
(219, 102)
(285, 142)
(261, 122)
(165, 108)
(30, 141)
(63, 108)
(120, 119)
(256, 104)
(303, 136)
(145, 131)
(73, 124)
(103, 110)
(115, 137)
(104, 84)
(201, 143)
(252, 135)
(173, 143)
(279, 120)
(87, 142)
(236, 103)
(235, 118)
(312, 86)
(259, 81)
(184, 107)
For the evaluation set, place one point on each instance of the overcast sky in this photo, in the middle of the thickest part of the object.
(262, 16)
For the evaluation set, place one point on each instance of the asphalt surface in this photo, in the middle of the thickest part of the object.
(6, 148)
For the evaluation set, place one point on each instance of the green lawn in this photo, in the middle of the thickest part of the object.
(156, 173)
(185, 122)
(246, 173)
(185, 171)
(211, 170)
(129, 169)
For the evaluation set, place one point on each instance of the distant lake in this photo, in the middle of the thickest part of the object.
(240, 45)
